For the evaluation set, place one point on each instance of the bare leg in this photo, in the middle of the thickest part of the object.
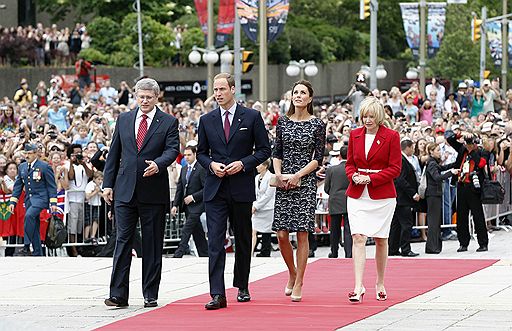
(86, 232)
(422, 220)
(381, 259)
(302, 261)
(254, 232)
(94, 230)
(287, 252)
(359, 258)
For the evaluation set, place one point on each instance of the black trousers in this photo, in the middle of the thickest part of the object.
(266, 245)
(218, 211)
(434, 221)
(469, 200)
(400, 231)
(194, 228)
(335, 230)
(152, 220)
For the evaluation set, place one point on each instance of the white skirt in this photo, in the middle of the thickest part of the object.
(370, 217)
(262, 220)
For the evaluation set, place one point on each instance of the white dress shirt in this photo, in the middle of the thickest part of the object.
(230, 116)
(138, 119)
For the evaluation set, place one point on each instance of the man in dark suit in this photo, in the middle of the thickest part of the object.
(232, 142)
(189, 198)
(145, 143)
(37, 179)
(407, 196)
(336, 184)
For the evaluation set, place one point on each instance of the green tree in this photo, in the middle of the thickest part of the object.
(104, 32)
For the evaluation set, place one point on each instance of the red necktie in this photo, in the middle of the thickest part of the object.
(227, 126)
(143, 129)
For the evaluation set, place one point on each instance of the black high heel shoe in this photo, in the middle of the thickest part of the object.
(357, 297)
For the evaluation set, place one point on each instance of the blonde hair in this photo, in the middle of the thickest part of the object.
(431, 147)
(372, 105)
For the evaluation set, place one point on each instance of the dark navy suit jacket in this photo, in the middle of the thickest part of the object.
(125, 165)
(39, 184)
(248, 142)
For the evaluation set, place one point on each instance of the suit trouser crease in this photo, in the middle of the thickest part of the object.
(31, 229)
(400, 232)
(152, 218)
(434, 220)
(194, 228)
(218, 211)
(468, 200)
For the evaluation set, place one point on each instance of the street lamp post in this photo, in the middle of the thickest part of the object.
(210, 56)
(301, 68)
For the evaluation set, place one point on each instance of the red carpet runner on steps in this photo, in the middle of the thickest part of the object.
(324, 303)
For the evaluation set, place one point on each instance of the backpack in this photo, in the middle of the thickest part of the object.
(56, 234)
(422, 188)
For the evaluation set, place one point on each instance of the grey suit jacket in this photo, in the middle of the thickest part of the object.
(336, 184)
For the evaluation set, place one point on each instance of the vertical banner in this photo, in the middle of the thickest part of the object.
(411, 20)
(435, 27)
(247, 11)
(277, 14)
(202, 14)
(226, 22)
(493, 33)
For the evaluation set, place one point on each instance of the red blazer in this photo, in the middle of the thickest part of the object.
(384, 155)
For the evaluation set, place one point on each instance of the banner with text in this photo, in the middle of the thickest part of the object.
(411, 21)
(277, 14)
(226, 22)
(435, 27)
(247, 11)
(493, 34)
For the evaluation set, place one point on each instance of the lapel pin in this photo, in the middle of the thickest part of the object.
(238, 120)
(378, 142)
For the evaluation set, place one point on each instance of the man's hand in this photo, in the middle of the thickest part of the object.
(188, 199)
(108, 195)
(151, 169)
(11, 208)
(234, 167)
(54, 209)
(416, 197)
(173, 211)
(253, 210)
(218, 169)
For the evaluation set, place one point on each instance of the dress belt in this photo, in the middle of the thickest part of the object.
(370, 171)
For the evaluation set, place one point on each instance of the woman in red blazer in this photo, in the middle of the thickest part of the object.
(374, 160)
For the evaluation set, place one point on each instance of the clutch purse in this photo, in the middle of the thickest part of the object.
(274, 182)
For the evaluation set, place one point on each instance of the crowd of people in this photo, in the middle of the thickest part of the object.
(81, 121)
(42, 46)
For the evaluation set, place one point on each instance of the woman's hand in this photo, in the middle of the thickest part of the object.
(293, 181)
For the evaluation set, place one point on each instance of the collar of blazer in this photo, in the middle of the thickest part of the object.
(378, 142)
(235, 125)
(155, 123)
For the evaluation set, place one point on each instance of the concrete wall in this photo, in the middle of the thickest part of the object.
(332, 79)
(9, 15)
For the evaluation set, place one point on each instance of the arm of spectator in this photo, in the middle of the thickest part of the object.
(208, 101)
(69, 131)
(63, 178)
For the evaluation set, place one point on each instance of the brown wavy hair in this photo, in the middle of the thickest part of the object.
(308, 85)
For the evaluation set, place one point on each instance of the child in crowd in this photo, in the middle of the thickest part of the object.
(92, 207)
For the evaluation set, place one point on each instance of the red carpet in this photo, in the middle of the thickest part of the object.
(324, 303)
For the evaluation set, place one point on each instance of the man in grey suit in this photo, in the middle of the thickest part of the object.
(336, 184)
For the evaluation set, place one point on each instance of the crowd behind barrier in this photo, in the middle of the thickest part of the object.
(56, 120)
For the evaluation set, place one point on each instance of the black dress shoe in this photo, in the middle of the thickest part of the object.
(150, 303)
(178, 254)
(482, 248)
(332, 256)
(218, 301)
(260, 254)
(432, 252)
(116, 302)
(311, 253)
(462, 249)
(410, 254)
(243, 295)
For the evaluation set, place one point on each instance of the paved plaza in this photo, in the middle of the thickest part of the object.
(68, 293)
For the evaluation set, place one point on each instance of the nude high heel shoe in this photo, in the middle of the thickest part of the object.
(288, 291)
